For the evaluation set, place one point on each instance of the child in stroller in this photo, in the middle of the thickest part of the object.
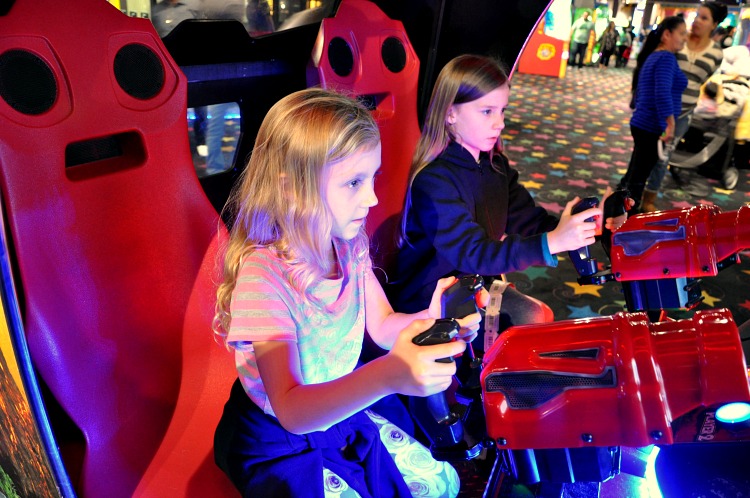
(717, 141)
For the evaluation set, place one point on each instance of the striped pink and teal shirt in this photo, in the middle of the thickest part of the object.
(265, 307)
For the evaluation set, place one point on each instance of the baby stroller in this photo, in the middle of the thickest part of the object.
(708, 148)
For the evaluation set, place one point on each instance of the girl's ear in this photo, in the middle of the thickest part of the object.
(450, 118)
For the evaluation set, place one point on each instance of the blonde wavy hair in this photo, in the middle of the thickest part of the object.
(464, 79)
(279, 201)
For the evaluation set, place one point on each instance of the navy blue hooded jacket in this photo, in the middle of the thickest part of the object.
(460, 210)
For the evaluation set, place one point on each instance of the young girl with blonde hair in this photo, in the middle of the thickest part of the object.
(297, 295)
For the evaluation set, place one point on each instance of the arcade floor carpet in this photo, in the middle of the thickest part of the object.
(571, 136)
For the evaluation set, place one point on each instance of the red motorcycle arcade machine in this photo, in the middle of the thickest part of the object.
(560, 399)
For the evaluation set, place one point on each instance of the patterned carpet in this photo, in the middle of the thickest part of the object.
(571, 137)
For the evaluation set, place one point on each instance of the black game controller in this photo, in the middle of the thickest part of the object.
(581, 258)
(442, 426)
(432, 413)
(458, 300)
(442, 331)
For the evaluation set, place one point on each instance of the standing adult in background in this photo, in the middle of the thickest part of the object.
(580, 34)
(624, 47)
(700, 58)
(658, 97)
(607, 44)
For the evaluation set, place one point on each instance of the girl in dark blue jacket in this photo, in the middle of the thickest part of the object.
(465, 210)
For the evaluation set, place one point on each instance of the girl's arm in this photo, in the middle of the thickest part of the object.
(384, 325)
(446, 222)
(573, 231)
(663, 78)
(407, 369)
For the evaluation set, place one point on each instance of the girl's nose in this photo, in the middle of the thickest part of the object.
(371, 199)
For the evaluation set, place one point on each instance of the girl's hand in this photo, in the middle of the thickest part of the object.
(470, 323)
(613, 223)
(412, 369)
(573, 231)
(668, 135)
(435, 310)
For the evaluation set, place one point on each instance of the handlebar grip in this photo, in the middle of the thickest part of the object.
(458, 300)
(442, 331)
(585, 265)
(584, 204)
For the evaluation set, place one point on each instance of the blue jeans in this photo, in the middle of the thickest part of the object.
(660, 169)
(577, 50)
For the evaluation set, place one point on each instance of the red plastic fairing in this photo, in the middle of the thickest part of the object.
(362, 52)
(609, 381)
(678, 243)
(115, 243)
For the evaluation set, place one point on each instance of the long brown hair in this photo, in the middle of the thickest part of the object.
(464, 79)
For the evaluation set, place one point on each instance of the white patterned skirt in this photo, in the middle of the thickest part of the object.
(425, 476)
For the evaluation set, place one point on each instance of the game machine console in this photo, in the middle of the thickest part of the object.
(562, 399)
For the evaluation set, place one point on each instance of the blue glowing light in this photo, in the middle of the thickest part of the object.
(652, 482)
(733, 413)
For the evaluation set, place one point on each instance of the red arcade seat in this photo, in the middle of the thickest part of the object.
(115, 244)
(362, 52)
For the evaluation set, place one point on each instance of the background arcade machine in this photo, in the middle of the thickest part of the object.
(544, 51)
(111, 245)
(223, 65)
